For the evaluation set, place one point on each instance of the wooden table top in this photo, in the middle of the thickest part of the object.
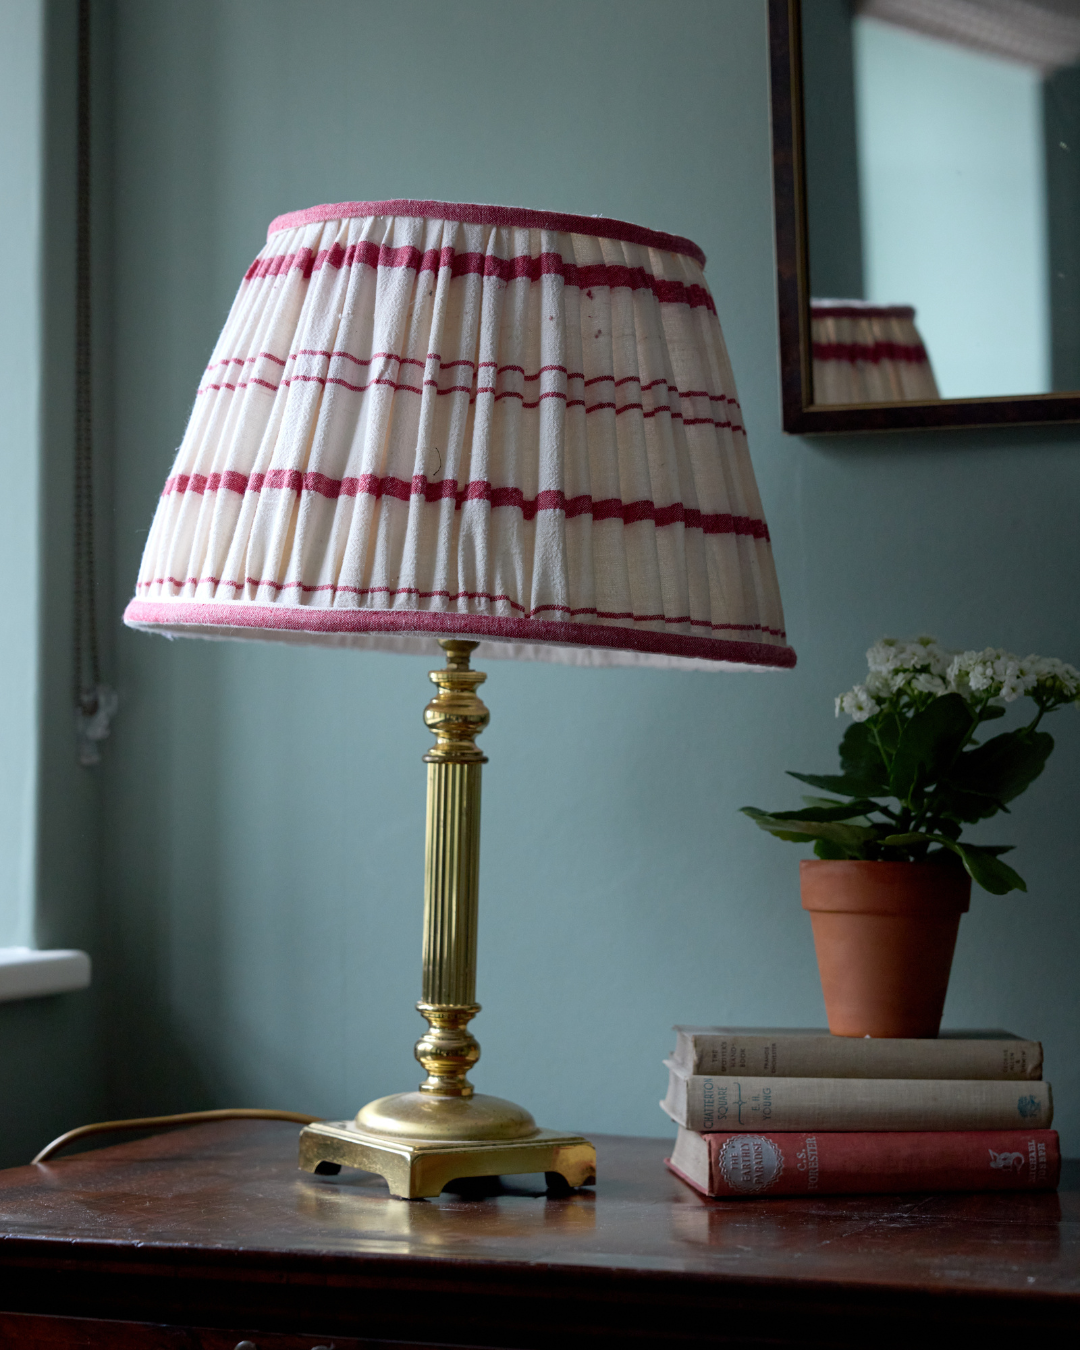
(216, 1227)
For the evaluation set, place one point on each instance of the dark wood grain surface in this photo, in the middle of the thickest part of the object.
(215, 1231)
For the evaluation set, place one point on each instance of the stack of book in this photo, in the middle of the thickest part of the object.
(783, 1112)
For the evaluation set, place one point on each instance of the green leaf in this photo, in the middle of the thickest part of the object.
(990, 712)
(845, 784)
(849, 836)
(860, 759)
(929, 744)
(1004, 766)
(849, 807)
(841, 811)
(988, 870)
(886, 730)
(966, 806)
(982, 863)
(766, 822)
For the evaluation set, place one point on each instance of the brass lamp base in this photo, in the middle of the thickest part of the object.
(433, 1118)
(420, 1141)
(414, 1168)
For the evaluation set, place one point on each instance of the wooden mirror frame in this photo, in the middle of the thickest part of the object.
(801, 415)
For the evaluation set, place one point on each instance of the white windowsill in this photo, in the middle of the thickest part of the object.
(25, 973)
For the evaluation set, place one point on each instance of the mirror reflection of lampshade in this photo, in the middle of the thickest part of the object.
(865, 353)
(926, 156)
(940, 174)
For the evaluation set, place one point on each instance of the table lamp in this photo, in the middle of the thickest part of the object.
(480, 425)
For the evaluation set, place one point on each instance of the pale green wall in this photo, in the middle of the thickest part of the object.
(260, 942)
(952, 179)
(22, 137)
(51, 1075)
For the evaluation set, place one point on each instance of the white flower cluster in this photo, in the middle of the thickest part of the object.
(920, 665)
(1005, 677)
(857, 703)
(925, 667)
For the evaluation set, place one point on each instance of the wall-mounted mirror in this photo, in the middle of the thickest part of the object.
(927, 190)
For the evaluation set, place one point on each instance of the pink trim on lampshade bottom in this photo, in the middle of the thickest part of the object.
(370, 485)
(474, 213)
(872, 352)
(393, 592)
(524, 267)
(152, 614)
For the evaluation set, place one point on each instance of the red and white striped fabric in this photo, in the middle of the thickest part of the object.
(424, 420)
(867, 353)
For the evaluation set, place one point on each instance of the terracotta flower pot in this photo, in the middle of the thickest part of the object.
(884, 934)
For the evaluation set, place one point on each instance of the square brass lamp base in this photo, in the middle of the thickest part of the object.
(415, 1168)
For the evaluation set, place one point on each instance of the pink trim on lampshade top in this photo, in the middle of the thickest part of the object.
(823, 309)
(600, 227)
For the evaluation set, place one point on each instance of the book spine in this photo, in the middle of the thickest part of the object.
(848, 1057)
(837, 1164)
(736, 1104)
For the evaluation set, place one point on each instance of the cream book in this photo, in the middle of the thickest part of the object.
(708, 1102)
(795, 1053)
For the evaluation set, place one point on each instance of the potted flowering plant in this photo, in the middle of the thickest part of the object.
(893, 874)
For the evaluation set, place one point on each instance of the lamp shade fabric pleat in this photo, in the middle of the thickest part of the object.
(429, 420)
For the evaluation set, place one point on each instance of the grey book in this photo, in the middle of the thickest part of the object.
(767, 1052)
(709, 1102)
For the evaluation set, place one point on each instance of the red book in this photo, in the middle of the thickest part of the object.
(867, 1162)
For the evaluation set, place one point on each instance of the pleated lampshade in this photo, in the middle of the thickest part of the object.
(513, 426)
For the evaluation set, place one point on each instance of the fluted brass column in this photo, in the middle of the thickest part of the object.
(445, 1130)
(452, 875)
(446, 1105)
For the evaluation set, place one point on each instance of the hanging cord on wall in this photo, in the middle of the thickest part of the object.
(95, 703)
(169, 1123)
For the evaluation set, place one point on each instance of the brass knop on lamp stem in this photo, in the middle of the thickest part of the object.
(456, 715)
(448, 1050)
